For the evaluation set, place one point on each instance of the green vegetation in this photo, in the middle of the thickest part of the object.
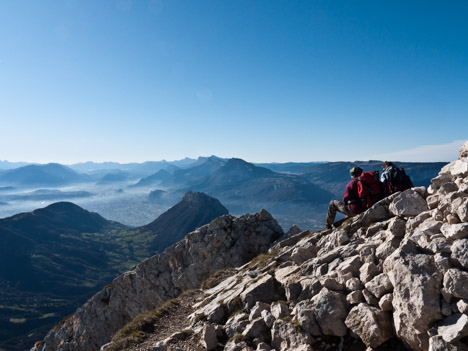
(262, 260)
(217, 278)
(138, 329)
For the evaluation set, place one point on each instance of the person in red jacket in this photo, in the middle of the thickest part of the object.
(351, 204)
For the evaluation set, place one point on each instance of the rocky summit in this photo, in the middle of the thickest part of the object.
(392, 278)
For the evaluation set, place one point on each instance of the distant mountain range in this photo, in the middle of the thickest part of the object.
(52, 174)
(53, 258)
(295, 193)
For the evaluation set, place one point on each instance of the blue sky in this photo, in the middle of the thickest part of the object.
(266, 81)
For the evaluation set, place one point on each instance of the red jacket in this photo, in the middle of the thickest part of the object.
(351, 195)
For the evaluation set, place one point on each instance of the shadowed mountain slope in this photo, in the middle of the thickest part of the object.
(195, 210)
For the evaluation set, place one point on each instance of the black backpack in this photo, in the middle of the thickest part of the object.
(398, 179)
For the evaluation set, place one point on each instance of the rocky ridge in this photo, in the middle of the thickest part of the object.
(227, 241)
(393, 277)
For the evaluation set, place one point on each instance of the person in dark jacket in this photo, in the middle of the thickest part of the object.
(351, 204)
(394, 178)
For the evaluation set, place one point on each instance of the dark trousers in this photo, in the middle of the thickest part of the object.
(337, 206)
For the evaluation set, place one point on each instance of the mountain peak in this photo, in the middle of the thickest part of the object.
(194, 210)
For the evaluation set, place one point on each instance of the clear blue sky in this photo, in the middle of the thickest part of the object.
(264, 80)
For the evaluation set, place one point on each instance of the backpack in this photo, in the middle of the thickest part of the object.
(398, 179)
(370, 188)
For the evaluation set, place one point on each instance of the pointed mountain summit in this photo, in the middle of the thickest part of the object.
(194, 210)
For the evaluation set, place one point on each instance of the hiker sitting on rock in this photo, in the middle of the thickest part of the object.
(394, 178)
(352, 204)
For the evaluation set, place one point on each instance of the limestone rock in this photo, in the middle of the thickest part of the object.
(208, 338)
(301, 254)
(368, 271)
(462, 210)
(456, 283)
(263, 290)
(330, 310)
(379, 285)
(455, 231)
(417, 285)
(385, 302)
(372, 325)
(408, 204)
(355, 297)
(397, 227)
(258, 309)
(437, 343)
(285, 337)
(448, 187)
(353, 284)
(235, 345)
(458, 168)
(279, 310)
(304, 314)
(463, 153)
(256, 328)
(268, 318)
(430, 226)
(236, 324)
(459, 253)
(454, 327)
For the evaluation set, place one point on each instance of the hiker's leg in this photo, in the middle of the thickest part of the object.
(336, 206)
(343, 208)
(332, 209)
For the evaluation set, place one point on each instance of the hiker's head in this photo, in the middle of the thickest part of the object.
(386, 164)
(355, 172)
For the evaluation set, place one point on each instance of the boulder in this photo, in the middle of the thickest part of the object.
(368, 271)
(257, 310)
(330, 310)
(455, 231)
(303, 253)
(208, 338)
(454, 328)
(430, 226)
(372, 325)
(256, 329)
(304, 314)
(353, 284)
(459, 253)
(279, 310)
(462, 210)
(262, 290)
(437, 343)
(236, 324)
(286, 337)
(355, 297)
(268, 318)
(456, 283)
(385, 302)
(408, 204)
(417, 285)
(379, 285)
(397, 227)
